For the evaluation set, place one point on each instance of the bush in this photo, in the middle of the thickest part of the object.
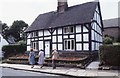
(13, 49)
(107, 40)
(110, 55)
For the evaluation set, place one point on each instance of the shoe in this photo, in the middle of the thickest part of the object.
(32, 66)
(41, 66)
(54, 68)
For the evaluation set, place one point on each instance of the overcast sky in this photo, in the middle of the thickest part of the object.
(28, 10)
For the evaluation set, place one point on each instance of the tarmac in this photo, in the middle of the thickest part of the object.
(73, 72)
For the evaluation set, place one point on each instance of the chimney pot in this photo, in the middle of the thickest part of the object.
(62, 6)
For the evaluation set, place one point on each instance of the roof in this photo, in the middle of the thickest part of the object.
(115, 22)
(78, 14)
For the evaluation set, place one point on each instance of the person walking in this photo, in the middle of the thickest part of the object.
(54, 58)
(31, 58)
(41, 58)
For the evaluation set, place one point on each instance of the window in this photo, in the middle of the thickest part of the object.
(34, 34)
(68, 29)
(69, 44)
(34, 45)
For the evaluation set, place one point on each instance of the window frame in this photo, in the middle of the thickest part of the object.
(70, 42)
(35, 46)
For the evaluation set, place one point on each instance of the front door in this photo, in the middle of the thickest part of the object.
(47, 48)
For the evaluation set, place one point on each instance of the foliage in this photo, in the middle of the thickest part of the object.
(17, 29)
(13, 49)
(110, 55)
(107, 40)
(5, 29)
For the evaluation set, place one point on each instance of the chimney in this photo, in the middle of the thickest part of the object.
(62, 6)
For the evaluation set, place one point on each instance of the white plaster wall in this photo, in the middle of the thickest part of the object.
(54, 46)
(78, 37)
(46, 32)
(46, 38)
(36, 38)
(60, 31)
(71, 36)
(54, 39)
(29, 35)
(54, 32)
(93, 46)
(28, 48)
(59, 46)
(86, 46)
(40, 38)
(28, 41)
(32, 39)
(79, 46)
(65, 36)
(41, 45)
(93, 35)
(85, 29)
(85, 37)
(59, 38)
(97, 46)
(40, 33)
(93, 27)
(78, 28)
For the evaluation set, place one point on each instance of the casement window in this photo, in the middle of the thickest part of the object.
(34, 34)
(34, 45)
(69, 44)
(68, 29)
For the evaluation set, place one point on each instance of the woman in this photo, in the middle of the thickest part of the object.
(32, 57)
(41, 58)
(54, 58)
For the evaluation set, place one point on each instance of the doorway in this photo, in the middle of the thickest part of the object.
(47, 48)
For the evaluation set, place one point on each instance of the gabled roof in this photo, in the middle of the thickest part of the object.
(78, 14)
(114, 22)
(10, 39)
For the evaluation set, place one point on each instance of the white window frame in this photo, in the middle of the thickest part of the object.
(34, 45)
(67, 45)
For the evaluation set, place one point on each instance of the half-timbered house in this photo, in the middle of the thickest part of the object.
(69, 29)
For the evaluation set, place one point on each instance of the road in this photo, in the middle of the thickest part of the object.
(11, 73)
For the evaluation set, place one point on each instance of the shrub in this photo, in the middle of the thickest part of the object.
(110, 55)
(13, 49)
(107, 40)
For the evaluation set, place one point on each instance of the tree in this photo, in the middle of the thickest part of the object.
(4, 30)
(17, 30)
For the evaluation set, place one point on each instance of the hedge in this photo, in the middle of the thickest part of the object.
(110, 55)
(13, 49)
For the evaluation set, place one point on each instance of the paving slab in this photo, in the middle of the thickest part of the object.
(65, 71)
(93, 65)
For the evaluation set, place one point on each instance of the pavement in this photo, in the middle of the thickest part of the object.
(73, 72)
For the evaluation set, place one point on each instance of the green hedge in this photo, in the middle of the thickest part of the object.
(13, 49)
(110, 55)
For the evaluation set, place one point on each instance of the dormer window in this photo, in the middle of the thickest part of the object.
(68, 29)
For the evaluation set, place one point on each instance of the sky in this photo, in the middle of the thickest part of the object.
(28, 10)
